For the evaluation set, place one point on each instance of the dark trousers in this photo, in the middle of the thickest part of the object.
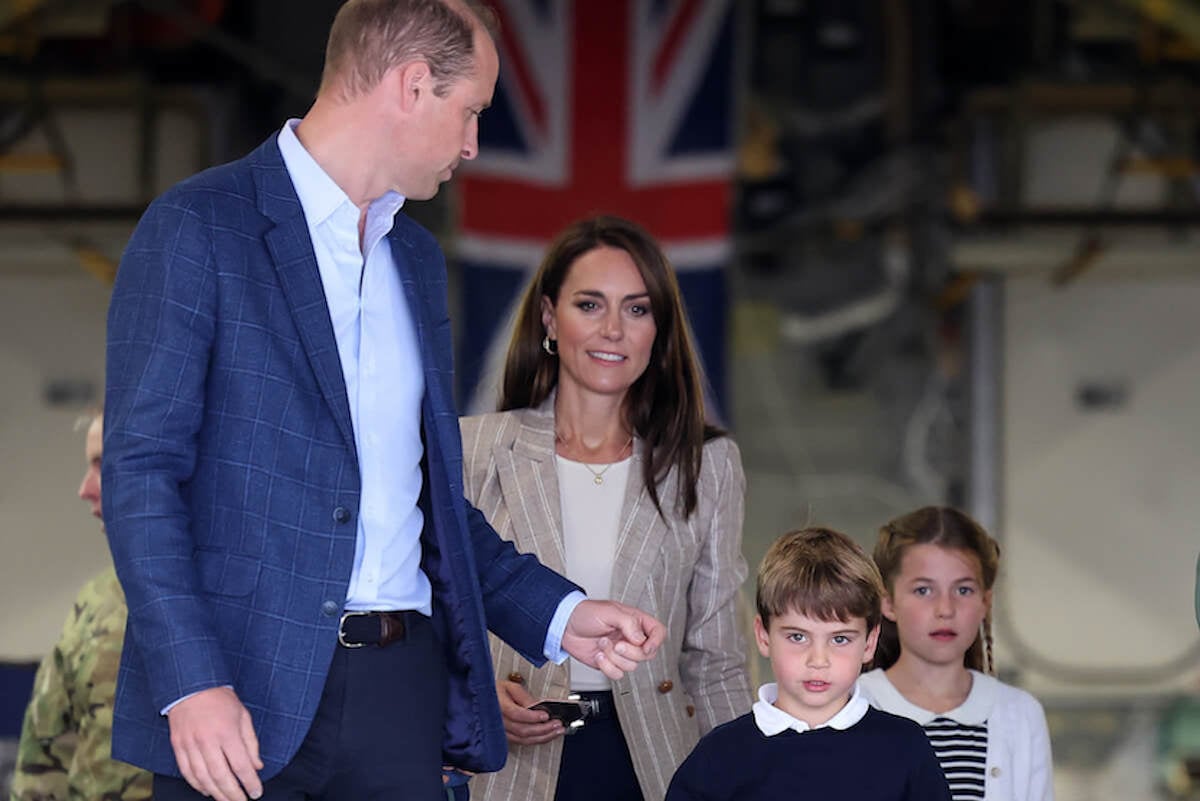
(596, 765)
(377, 733)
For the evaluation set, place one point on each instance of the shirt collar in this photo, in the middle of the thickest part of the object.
(772, 720)
(319, 195)
(973, 711)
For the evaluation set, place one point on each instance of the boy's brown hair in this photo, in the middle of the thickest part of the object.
(820, 573)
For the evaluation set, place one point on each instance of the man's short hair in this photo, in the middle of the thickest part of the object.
(370, 37)
(820, 573)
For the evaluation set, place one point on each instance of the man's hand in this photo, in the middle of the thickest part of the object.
(215, 745)
(611, 637)
(522, 725)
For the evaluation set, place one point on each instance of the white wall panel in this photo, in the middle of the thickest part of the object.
(1102, 506)
(50, 329)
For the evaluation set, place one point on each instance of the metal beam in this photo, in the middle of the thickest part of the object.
(1041, 98)
(1130, 253)
(72, 213)
(120, 92)
(1099, 218)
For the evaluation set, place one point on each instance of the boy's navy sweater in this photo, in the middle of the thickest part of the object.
(881, 758)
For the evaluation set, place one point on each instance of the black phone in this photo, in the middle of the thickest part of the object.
(570, 713)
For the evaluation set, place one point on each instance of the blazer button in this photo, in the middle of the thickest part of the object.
(341, 515)
(330, 608)
(665, 686)
(691, 711)
(516, 678)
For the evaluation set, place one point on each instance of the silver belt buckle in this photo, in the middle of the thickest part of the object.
(342, 634)
(590, 706)
(587, 707)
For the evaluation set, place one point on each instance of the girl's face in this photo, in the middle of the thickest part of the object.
(937, 602)
(603, 324)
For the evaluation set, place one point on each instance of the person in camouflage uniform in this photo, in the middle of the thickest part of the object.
(64, 752)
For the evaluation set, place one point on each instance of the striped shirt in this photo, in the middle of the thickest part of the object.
(961, 748)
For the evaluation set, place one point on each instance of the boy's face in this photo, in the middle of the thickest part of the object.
(815, 662)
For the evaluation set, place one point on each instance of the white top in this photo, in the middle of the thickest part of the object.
(772, 720)
(1019, 765)
(591, 518)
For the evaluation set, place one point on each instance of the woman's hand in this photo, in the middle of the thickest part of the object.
(522, 725)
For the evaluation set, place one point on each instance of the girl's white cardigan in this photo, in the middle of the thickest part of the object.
(1018, 767)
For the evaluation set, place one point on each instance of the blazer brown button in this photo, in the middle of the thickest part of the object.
(516, 678)
(665, 686)
(691, 711)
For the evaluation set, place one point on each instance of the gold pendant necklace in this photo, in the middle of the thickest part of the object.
(598, 475)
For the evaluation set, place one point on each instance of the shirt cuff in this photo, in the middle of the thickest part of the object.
(176, 702)
(558, 626)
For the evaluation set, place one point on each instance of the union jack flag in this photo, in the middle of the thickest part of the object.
(614, 106)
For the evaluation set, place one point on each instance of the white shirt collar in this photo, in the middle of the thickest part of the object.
(319, 195)
(973, 711)
(772, 720)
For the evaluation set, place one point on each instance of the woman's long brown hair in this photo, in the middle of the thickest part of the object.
(665, 406)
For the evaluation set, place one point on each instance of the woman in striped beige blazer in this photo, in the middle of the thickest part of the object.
(601, 463)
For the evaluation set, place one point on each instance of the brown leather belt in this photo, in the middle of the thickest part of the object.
(357, 629)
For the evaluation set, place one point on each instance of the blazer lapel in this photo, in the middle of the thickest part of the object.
(642, 533)
(422, 275)
(296, 265)
(529, 481)
(410, 263)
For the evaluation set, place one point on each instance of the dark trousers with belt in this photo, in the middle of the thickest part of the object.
(378, 729)
(596, 765)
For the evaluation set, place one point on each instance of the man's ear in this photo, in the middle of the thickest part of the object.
(761, 637)
(411, 81)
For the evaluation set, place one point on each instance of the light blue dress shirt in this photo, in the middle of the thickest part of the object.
(382, 368)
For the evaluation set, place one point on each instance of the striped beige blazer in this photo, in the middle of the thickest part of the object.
(687, 573)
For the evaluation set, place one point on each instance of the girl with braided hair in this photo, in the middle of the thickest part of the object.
(933, 663)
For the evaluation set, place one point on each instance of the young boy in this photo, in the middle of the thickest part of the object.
(812, 735)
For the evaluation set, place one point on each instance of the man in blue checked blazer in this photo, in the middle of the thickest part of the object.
(308, 591)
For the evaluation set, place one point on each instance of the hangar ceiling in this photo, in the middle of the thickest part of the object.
(864, 120)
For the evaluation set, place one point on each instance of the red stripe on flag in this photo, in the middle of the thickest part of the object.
(515, 63)
(681, 19)
(600, 99)
(508, 208)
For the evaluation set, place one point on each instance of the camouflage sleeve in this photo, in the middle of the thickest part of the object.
(65, 752)
(48, 739)
(94, 774)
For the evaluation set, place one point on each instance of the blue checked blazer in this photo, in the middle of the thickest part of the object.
(231, 485)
